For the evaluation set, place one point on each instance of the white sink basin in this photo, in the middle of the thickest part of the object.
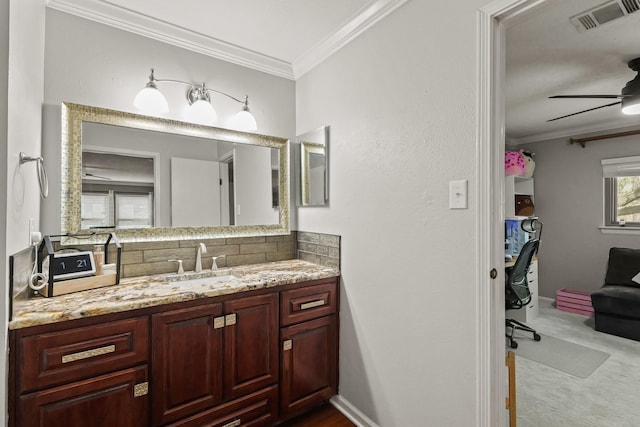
(211, 280)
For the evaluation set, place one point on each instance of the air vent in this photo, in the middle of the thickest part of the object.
(604, 13)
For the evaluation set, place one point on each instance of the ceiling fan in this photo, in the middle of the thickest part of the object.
(629, 97)
(94, 176)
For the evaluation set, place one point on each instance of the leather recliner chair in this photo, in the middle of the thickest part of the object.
(617, 303)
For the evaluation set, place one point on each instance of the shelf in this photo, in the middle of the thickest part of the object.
(516, 185)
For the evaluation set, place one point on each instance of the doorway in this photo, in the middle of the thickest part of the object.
(227, 190)
(492, 381)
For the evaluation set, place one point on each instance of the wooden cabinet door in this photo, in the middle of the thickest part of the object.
(259, 409)
(116, 399)
(186, 361)
(309, 364)
(251, 344)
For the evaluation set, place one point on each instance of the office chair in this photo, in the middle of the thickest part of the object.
(517, 293)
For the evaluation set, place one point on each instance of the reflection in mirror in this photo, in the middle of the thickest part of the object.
(158, 179)
(117, 190)
(314, 176)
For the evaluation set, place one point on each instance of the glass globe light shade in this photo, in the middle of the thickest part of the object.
(202, 112)
(151, 101)
(243, 121)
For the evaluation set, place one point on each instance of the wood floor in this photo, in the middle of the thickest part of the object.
(324, 416)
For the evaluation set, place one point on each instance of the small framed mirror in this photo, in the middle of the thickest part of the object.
(314, 167)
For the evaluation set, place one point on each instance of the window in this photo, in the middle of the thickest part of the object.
(95, 210)
(621, 191)
(134, 210)
(116, 209)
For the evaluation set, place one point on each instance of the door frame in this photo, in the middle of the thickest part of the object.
(492, 21)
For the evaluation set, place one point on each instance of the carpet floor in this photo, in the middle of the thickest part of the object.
(608, 397)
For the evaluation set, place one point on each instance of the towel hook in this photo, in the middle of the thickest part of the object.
(42, 173)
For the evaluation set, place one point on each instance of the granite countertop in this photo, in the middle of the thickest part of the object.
(149, 291)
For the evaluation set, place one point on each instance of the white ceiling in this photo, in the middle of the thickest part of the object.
(281, 37)
(547, 55)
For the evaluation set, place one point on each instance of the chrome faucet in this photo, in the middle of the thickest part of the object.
(214, 265)
(202, 249)
(180, 268)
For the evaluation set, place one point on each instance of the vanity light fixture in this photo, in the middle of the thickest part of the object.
(151, 101)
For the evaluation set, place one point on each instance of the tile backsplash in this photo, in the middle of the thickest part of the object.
(323, 249)
(148, 258)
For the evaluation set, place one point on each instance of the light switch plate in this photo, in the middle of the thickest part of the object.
(458, 194)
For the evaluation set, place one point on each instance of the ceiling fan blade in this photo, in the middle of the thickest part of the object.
(590, 96)
(584, 111)
(90, 175)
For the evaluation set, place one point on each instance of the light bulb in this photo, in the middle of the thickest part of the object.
(632, 109)
(151, 101)
(202, 112)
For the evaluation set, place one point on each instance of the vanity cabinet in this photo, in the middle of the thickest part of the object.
(208, 354)
(248, 359)
(309, 347)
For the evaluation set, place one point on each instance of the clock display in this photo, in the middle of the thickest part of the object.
(73, 264)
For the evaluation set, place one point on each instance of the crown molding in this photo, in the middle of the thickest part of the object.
(107, 13)
(128, 20)
(568, 133)
(359, 23)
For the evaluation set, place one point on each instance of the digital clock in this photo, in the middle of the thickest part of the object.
(72, 264)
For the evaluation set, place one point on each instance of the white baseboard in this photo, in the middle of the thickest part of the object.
(351, 412)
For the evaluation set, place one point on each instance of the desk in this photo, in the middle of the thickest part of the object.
(530, 311)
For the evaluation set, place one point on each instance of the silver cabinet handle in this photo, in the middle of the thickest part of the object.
(88, 353)
(312, 304)
(287, 345)
(141, 389)
(233, 423)
(230, 319)
(218, 322)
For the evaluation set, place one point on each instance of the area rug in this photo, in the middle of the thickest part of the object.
(574, 359)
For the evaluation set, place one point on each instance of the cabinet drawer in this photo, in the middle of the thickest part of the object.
(116, 399)
(299, 305)
(254, 410)
(65, 356)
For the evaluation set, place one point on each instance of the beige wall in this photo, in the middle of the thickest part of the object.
(569, 200)
(4, 80)
(22, 52)
(400, 100)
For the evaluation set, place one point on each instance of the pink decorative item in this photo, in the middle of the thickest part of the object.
(514, 163)
(574, 301)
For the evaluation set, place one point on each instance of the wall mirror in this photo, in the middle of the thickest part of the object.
(314, 167)
(150, 178)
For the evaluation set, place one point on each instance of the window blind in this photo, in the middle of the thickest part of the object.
(621, 166)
